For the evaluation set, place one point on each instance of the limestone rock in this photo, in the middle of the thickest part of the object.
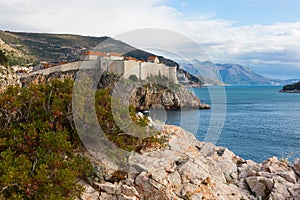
(89, 192)
(189, 169)
(282, 169)
(8, 77)
(296, 167)
(171, 99)
(260, 186)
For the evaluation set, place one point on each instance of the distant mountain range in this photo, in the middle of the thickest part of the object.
(233, 74)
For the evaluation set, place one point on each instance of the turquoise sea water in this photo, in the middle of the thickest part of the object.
(260, 122)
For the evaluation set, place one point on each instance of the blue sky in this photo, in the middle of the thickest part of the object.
(242, 12)
(261, 34)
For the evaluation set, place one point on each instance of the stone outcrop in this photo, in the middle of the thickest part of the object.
(189, 169)
(170, 99)
(7, 77)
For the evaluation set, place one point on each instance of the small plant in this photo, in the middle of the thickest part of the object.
(133, 77)
(286, 159)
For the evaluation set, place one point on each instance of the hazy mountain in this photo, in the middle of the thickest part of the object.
(242, 75)
(229, 74)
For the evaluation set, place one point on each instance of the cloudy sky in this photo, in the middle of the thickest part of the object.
(262, 34)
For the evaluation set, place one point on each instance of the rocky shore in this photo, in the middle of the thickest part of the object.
(189, 169)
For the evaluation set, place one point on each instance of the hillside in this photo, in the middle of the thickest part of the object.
(67, 48)
(53, 47)
(12, 56)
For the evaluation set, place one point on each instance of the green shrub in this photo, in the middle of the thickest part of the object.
(3, 59)
(37, 143)
(136, 125)
(133, 77)
(39, 147)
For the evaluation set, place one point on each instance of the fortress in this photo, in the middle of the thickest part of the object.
(111, 62)
(127, 66)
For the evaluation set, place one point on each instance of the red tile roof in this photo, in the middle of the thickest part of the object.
(102, 54)
(152, 57)
(130, 58)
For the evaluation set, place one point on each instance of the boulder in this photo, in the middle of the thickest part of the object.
(260, 186)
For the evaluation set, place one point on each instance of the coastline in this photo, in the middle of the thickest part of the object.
(190, 169)
(289, 91)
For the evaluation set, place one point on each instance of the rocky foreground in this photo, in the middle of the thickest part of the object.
(189, 169)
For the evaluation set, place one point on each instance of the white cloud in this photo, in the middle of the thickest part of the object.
(85, 17)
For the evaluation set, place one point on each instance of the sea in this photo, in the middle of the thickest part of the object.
(255, 122)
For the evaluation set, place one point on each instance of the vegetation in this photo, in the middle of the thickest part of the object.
(133, 77)
(40, 150)
(3, 59)
(37, 144)
(11, 56)
(115, 134)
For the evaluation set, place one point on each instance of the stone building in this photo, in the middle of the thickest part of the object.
(127, 67)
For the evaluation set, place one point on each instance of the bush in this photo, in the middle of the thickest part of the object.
(136, 125)
(40, 156)
(3, 59)
(133, 77)
(37, 143)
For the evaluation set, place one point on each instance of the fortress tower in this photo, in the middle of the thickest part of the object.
(172, 74)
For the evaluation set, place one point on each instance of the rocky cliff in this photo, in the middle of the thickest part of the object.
(189, 169)
(170, 99)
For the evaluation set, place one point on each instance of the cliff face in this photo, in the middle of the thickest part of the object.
(170, 99)
(189, 169)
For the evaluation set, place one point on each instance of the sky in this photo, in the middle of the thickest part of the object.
(261, 34)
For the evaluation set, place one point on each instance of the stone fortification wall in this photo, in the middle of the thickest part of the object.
(132, 68)
(153, 69)
(141, 70)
